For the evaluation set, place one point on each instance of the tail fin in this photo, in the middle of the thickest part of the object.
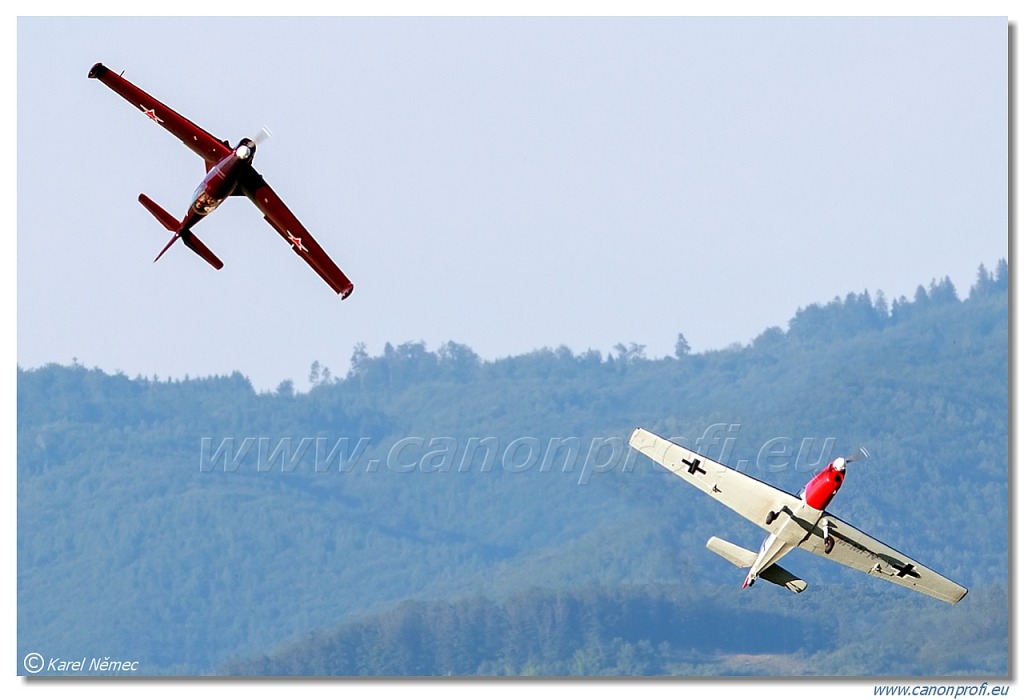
(172, 224)
(744, 558)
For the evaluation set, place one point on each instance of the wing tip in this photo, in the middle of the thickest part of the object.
(636, 437)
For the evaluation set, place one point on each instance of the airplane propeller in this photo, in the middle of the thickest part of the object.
(262, 136)
(862, 453)
(840, 462)
(247, 147)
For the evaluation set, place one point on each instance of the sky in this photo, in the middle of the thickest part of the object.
(508, 183)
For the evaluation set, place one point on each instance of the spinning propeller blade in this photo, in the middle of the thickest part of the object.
(862, 453)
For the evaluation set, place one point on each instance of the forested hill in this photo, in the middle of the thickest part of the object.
(201, 527)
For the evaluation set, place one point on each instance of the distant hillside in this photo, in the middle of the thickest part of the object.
(654, 631)
(198, 523)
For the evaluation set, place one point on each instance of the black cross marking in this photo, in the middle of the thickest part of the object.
(694, 466)
(904, 570)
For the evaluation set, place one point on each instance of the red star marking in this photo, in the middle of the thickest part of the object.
(151, 113)
(297, 243)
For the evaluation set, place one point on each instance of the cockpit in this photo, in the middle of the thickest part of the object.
(202, 202)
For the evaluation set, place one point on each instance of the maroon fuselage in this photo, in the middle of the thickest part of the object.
(220, 183)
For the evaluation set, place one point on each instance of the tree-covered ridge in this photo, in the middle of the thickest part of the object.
(193, 521)
(650, 631)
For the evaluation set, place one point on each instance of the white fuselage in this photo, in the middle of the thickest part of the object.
(793, 528)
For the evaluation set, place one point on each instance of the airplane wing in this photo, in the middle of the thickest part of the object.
(208, 147)
(294, 233)
(860, 551)
(749, 497)
(753, 499)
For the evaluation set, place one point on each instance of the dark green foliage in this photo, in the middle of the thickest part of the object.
(623, 630)
(654, 631)
(186, 523)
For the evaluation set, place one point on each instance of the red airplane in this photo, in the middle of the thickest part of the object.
(229, 172)
(792, 522)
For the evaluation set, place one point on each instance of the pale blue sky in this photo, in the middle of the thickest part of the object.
(509, 184)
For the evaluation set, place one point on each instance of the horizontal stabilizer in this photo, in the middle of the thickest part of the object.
(780, 577)
(168, 221)
(744, 559)
(732, 553)
(200, 249)
(172, 224)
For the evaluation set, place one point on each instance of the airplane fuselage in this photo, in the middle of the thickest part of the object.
(797, 525)
(794, 528)
(220, 183)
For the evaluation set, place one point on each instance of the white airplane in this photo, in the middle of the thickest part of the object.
(792, 521)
